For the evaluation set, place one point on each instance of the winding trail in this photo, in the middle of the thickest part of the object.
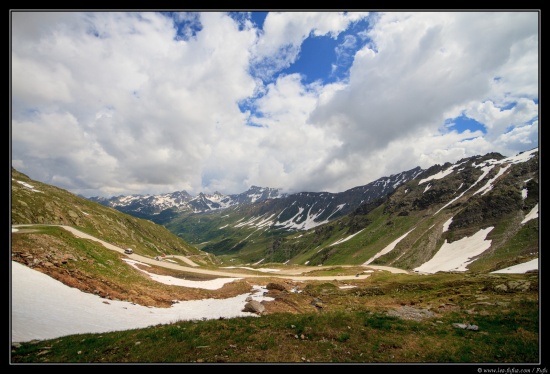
(295, 275)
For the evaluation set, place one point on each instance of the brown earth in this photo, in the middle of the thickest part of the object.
(54, 257)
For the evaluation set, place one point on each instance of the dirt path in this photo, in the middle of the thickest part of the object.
(389, 268)
(193, 268)
(184, 259)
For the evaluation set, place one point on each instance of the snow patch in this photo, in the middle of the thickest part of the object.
(520, 268)
(30, 187)
(447, 224)
(533, 214)
(388, 248)
(457, 255)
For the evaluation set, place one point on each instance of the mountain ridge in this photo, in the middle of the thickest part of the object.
(480, 217)
(182, 200)
(290, 215)
(478, 190)
(418, 213)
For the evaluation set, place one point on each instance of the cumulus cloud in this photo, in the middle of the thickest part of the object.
(113, 103)
(419, 67)
(284, 33)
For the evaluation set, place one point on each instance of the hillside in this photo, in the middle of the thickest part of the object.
(490, 202)
(402, 220)
(38, 241)
(83, 263)
(382, 317)
(225, 222)
(33, 202)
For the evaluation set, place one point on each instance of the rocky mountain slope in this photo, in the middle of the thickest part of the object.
(480, 206)
(479, 214)
(297, 211)
(149, 206)
(212, 218)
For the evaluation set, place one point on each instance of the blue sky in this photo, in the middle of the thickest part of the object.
(121, 103)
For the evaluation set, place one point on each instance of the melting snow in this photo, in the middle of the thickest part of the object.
(212, 284)
(439, 175)
(249, 268)
(485, 172)
(486, 167)
(534, 213)
(254, 197)
(309, 221)
(252, 222)
(44, 308)
(388, 248)
(522, 157)
(489, 185)
(447, 224)
(30, 187)
(521, 268)
(345, 239)
(457, 255)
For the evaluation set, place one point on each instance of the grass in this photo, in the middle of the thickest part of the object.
(347, 325)
(353, 326)
(313, 337)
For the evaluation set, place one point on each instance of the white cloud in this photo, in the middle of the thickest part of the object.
(124, 103)
(497, 120)
(423, 66)
(284, 32)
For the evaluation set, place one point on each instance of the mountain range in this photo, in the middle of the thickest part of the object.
(151, 205)
(428, 209)
(454, 247)
(305, 209)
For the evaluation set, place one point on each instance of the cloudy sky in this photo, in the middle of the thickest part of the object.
(121, 103)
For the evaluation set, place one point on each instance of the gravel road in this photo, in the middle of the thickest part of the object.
(294, 274)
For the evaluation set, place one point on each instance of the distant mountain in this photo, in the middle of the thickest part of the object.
(181, 201)
(427, 209)
(480, 214)
(258, 207)
(305, 210)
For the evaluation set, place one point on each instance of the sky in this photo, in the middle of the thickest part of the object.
(125, 103)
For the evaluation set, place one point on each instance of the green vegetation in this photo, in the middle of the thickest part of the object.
(501, 199)
(385, 318)
(352, 326)
(49, 205)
